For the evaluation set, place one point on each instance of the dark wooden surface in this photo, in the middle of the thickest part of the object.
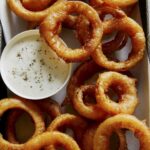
(3, 89)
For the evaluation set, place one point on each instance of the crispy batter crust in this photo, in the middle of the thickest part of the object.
(49, 27)
(105, 129)
(124, 86)
(31, 109)
(52, 138)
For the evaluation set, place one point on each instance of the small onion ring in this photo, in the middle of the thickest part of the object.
(49, 106)
(52, 138)
(135, 32)
(124, 85)
(88, 138)
(80, 75)
(76, 123)
(106, 128)
(90, 111)
(17, 7)
(49, 27)
(31, 109)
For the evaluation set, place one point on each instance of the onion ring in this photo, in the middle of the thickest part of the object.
(83, 28)
(50, 107)
(106, 128)
(124, 85)
(28, 106)
(52, 138)
(88, 138)
(90, 111)
(17, 7)
(35, 5)
(81, 74)
(76, 123)
(49, 27)
(136, 34)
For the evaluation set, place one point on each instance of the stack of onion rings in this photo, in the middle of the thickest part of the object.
(86, 21)
(50, 107)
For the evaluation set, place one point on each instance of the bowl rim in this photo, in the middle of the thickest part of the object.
(2, 70)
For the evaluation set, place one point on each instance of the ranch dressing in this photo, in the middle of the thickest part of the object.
(33, 68)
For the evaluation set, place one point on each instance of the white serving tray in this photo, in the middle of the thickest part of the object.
(13, 25)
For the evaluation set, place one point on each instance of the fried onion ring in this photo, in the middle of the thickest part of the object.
(90, 111)
(49, 106)
(31, 109)
(135, 32)
(80, 75)
(17, 7)
(83, 28)
(52, 138)
(124, 86)
(88, 138)
(76, 123)
(49, 27)
(106, 128)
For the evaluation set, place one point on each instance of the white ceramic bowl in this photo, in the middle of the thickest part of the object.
(30, 69)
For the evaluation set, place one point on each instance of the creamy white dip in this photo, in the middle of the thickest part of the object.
(33, 69)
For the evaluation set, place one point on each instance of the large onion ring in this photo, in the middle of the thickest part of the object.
(52, 138)
(76, 123)
(49, 106)
(106, 128)
(135, 32)
(90, 111)
(88, 138)
(31, 109)
(124, 86)
(49, 27)
(17, 7)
